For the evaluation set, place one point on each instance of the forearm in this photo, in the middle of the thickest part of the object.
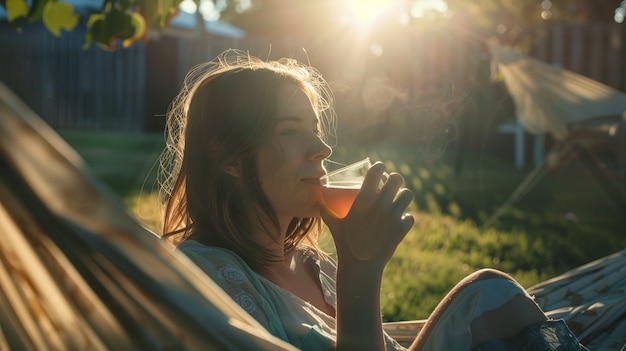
(359, 325)
(365, 240)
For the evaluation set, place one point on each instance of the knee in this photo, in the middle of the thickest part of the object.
(491, 274)
(488, 273)
(498, 282)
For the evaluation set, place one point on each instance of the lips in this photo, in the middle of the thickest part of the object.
(313, 179)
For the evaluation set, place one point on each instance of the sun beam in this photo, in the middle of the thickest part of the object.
(365, 13)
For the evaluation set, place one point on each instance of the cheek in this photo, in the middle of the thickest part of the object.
(269, 160)
(271, 178)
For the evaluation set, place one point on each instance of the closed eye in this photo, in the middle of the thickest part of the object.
(291, 125)
(290, 131)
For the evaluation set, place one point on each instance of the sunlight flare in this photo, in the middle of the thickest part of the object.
(365, 13)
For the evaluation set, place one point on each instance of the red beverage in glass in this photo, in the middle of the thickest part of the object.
(339, 195)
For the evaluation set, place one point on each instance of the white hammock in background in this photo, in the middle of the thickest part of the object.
(549, 99)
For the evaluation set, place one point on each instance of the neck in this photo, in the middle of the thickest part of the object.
(271, 241)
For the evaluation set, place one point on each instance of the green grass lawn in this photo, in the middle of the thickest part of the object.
(565, 220)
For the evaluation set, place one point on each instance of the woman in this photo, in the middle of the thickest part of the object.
(245, 154)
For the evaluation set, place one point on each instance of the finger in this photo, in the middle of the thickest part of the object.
(408, 221)
(403, 226)
(328, 216)
(390, 189)
(331, 219)
(373, 177)
(402, 200)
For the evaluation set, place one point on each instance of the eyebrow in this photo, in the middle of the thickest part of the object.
(289, 118)
(315, 121)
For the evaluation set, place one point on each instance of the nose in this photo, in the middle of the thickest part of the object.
(320, 150)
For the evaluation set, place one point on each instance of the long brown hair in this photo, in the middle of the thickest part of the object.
(225, 110)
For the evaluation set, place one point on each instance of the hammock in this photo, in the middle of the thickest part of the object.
(577, 111)
(77, 271)
(551, 99)
(592, 299)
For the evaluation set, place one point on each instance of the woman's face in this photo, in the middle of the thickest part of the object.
(290, 162)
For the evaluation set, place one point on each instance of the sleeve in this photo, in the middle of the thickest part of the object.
(234, 276)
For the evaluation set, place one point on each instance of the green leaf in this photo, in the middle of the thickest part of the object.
(115, 24)
(16, 9)
(158, 13)
(36, 13)
(89, 37)
(59, 15)
(100, 32)
(138, 24)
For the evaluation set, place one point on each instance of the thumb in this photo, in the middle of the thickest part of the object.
(329, 216)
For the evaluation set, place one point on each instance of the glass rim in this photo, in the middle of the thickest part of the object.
(339, 170)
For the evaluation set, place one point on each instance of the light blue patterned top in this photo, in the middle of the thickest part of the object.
(282, 313)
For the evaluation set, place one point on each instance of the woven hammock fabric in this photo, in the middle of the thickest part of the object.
(591, 299)
(548, 98)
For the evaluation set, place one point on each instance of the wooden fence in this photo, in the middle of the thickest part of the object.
(596, 50)
(71, 87)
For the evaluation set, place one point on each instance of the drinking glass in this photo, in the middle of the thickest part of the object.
(340, 187)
